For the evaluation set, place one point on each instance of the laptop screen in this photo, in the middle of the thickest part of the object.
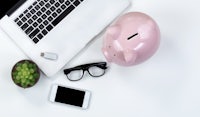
(6, 5)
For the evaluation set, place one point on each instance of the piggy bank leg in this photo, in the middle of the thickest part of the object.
(130, 56)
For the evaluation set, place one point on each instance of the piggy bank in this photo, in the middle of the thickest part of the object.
(131, 40)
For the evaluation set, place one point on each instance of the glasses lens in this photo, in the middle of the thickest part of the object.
(96, 71)
(75, 75)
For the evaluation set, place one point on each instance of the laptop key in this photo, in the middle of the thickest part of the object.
(40, 36)
(30, 7)
(39, 20)
(47, 5)
(29, 30)
(50, 18)
(35, 32)
(76, 3)
(44, 32)
(44, 16)
(35, 40)
(24, 19)
(43, 9)
(20, 16)
(59, 10)
(33, 11)
(25, 11)
(67, 2)
(35, 3)
(45, 22)
(17, 19)
(57, 4)
(52, 1)
(41, 3)
(24, 26)
(28, 15)
(30, 21)
(39, 13)
(19, 23)
(37, 7)
(54, 15)
(52, 8)
(48, 12)
(34, 17)
(49, 27)
(41, 26)
(63, 6)
(62, 15)
(61, 1)
(35, 24)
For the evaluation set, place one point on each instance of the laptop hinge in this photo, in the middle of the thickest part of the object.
(15, 7)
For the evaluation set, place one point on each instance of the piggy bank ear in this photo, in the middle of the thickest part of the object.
(130, 55)
(113, 31)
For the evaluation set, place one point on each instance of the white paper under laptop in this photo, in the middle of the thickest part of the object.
(68, 37)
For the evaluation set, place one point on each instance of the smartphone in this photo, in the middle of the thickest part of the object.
(70, 96)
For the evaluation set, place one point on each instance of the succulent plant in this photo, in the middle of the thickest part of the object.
(25, 74)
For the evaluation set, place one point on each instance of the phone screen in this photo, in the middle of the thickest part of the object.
(70, 96)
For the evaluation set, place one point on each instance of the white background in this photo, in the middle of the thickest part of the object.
(167, 85)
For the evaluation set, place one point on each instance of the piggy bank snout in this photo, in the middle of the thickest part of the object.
(106, 54)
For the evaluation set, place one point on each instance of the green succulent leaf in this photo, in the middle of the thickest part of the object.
(25, 74)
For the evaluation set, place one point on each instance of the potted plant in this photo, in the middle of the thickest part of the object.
(25, 73)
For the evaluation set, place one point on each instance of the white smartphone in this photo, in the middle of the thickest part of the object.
(70, 96)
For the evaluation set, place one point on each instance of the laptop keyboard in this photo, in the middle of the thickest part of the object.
(43, 15)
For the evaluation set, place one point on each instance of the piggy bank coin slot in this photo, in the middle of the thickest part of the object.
(129, 38)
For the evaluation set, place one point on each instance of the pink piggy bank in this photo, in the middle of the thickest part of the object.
(131, 40)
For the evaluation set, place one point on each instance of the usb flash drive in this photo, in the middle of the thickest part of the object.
(49, 55)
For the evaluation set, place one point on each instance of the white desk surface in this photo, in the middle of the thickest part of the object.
(168, 85)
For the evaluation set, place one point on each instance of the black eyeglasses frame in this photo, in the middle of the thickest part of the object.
(85, 67)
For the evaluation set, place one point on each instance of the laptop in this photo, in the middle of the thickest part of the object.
(58, 27)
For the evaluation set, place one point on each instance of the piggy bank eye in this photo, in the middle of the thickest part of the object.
(109, 46)
(129, 38)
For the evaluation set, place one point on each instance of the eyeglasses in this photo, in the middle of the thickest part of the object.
(94, 69)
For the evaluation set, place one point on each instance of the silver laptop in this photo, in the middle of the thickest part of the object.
(59, 27)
